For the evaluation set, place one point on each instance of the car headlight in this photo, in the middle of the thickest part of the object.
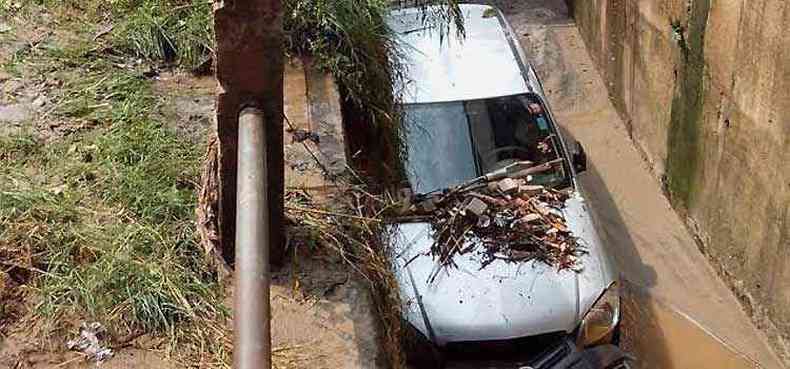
(602, 319)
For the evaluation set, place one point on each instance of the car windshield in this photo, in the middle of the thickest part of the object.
(449, 143)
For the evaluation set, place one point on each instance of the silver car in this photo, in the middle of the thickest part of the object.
(473, 105)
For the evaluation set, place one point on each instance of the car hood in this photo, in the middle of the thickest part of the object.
(503, 300)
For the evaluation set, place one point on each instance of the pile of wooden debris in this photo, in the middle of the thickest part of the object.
(507, 219)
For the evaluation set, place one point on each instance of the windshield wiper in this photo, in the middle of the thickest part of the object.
(509, 171)
(520, 169)
(517, 170)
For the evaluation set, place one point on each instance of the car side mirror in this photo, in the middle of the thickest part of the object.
(579, 158)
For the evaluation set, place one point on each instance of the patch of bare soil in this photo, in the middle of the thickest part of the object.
(323, 310)
(23, 346)
(25, 96)
(189, 108)
(12, 302)
(127, 358)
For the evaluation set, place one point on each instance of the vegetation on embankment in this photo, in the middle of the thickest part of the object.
(96, 220)
(97, 192)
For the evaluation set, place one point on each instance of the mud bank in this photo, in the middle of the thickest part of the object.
(703, 86)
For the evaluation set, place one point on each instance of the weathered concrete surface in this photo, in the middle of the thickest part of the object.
(649, 241)
(312, 104)
(249, 70)
(321, 310)
(705, 87)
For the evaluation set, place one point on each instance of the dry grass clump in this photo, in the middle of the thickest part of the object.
(350, 223)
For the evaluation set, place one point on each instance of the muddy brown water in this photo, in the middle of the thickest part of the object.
(661, 336)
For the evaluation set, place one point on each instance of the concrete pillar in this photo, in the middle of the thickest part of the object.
(249, 69)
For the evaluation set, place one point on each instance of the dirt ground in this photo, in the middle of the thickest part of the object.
(656, 254)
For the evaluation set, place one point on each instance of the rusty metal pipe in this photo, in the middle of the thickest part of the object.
(252, 338)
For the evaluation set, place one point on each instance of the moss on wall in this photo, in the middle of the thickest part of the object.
(706, 94)
(683, 138)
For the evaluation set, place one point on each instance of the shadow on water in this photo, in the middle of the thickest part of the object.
(661, 337)
(613, 231)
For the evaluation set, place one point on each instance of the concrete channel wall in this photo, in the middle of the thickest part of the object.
(705, 87)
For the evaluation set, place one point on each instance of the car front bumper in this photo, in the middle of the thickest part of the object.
(564, 355)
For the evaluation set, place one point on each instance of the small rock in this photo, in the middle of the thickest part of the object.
(531, 190)
(531, 218)
(14, 113)
(476, 206)
(40, 101)
(507, 185)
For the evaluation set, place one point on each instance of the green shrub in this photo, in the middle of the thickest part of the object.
(174, 31)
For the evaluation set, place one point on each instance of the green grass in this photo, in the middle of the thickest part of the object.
(178, 31)
(106, 264)
(18, 148)
(351, 40)
(100, 224)
(347, 38)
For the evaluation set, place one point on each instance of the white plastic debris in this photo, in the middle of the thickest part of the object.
(88, 342)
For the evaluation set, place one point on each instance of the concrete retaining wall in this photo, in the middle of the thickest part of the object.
(705, 87)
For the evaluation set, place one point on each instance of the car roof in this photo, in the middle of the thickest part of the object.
(441, 66)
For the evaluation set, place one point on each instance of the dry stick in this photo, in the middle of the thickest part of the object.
(336, 241)
(440, 235)
(444, 253)
(413, 258)
(82, 356)
(368, 194)
(443, 258)
(306, 210)
(447, 252)
(354, 173)
(458, 239)
(361, 214)
(307, 148)
(410, 218)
